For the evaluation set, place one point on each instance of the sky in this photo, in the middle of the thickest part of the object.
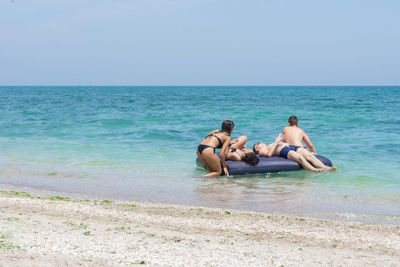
(199, 42)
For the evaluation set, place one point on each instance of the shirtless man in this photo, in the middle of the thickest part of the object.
(296, 153)
(294, 135)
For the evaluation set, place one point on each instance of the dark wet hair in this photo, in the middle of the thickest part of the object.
(254, 147)
(293, 120)
(251, 158)
(227, 126)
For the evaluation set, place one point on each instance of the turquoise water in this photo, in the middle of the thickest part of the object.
(138, 143)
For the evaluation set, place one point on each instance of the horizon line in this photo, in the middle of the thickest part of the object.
(290, 85)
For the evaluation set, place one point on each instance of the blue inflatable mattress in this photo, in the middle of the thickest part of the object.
(265, 165)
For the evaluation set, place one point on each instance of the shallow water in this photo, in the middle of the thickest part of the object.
(138, 143)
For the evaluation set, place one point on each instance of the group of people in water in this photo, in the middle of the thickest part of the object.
(288, 145)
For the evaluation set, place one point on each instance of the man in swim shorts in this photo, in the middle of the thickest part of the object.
(296, 153)
(294, 136)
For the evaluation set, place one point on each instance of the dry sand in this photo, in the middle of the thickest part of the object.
(44, 231)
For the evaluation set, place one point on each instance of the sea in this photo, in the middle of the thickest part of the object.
(138, 144)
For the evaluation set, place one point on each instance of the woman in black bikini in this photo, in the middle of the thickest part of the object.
(206, 149)
(237, 151)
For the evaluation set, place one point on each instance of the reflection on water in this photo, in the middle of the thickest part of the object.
(272, 192)
(301, 193)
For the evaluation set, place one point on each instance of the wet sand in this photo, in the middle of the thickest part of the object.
(58, 231)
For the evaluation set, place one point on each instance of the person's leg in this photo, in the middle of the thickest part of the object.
(314, 160)
(212, 174)
(311, 158)
(212, 163)
(302, 161)
(200, 157)
(332, 169)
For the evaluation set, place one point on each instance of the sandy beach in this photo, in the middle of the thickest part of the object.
(58, 231)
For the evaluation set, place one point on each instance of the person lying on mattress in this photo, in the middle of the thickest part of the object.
(237, 151)
(302, 156)
(206, 149)
(295, 136)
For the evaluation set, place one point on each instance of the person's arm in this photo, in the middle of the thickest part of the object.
(284, 131)
(222, 155)
(239, 142)
(308, 143)
(272, 147)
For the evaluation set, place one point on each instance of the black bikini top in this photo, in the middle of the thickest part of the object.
(237, 151)
(219, 140)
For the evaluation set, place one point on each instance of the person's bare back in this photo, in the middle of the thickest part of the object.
(295, 136)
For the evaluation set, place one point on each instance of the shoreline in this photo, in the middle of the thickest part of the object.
(384, 219)
(39, 230)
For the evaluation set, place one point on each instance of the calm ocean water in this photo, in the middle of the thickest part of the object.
(138, 143)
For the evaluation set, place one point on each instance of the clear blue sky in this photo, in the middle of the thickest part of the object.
(199, 42)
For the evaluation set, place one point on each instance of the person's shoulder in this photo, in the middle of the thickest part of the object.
(285, 128)
(302, 131)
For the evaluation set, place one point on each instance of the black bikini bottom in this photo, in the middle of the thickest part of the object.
(200, 148)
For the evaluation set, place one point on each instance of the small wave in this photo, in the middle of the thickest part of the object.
(116, 122)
